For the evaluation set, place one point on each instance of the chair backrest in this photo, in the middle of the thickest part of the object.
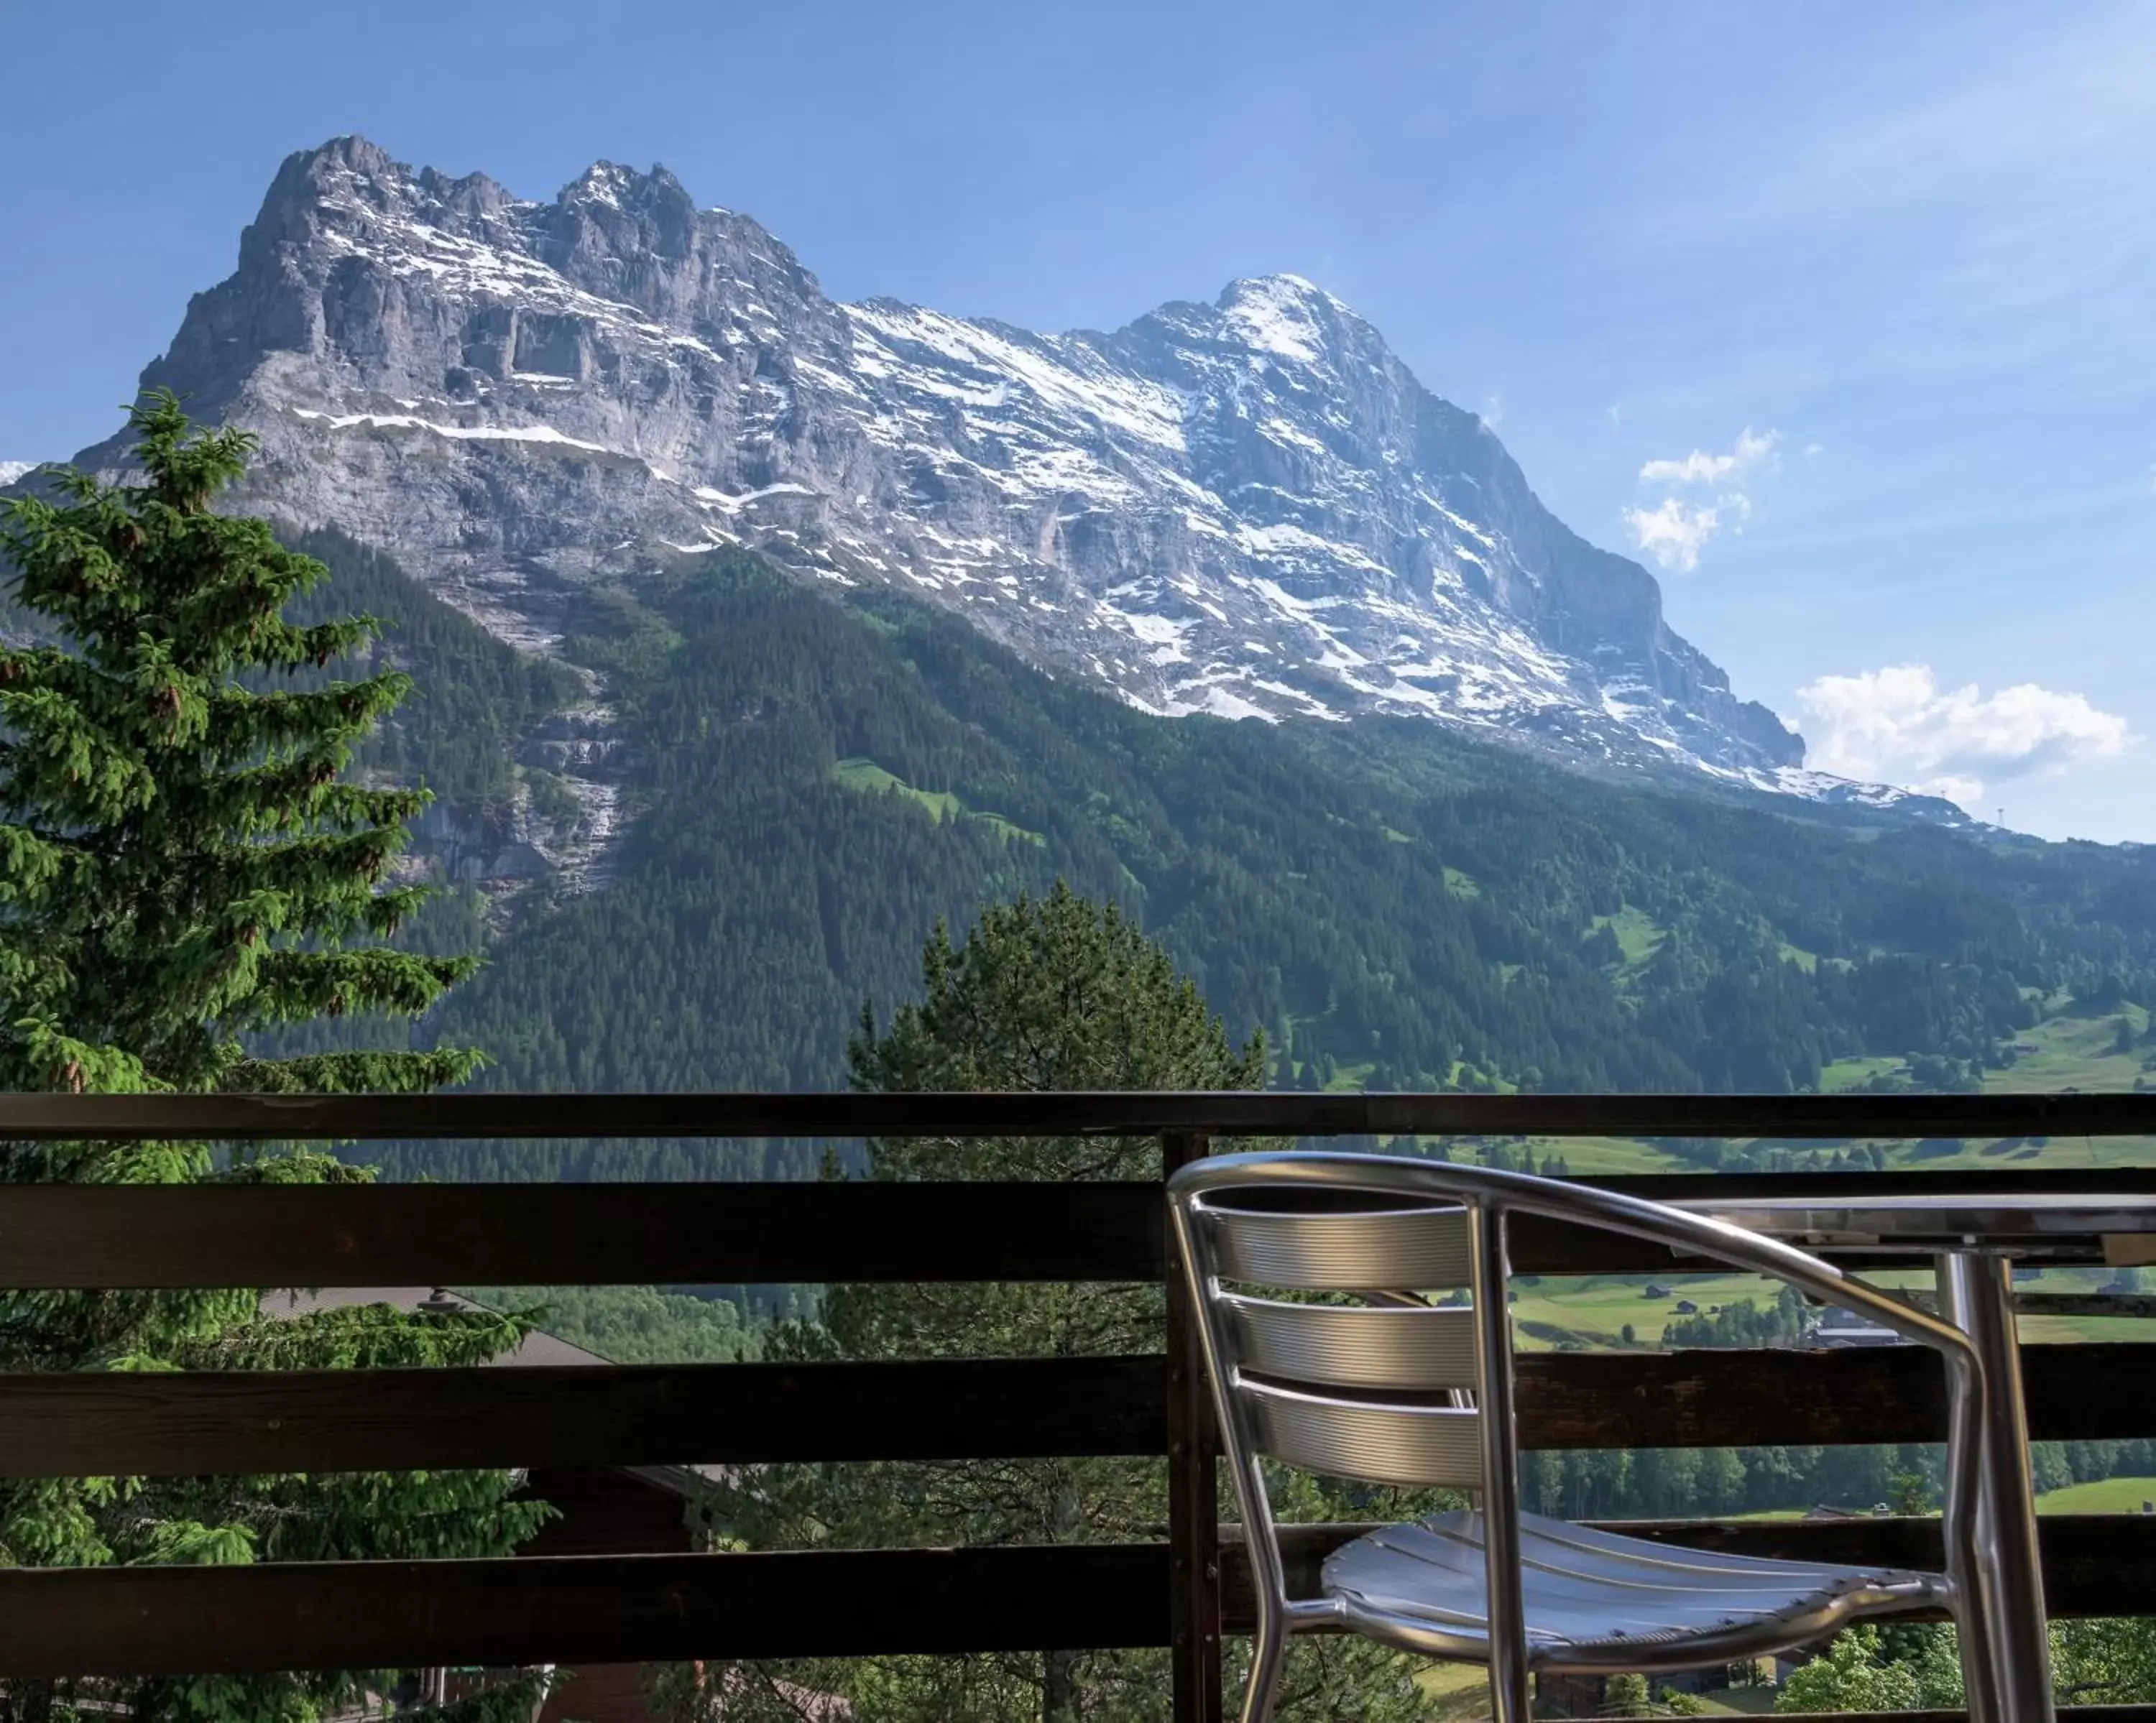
(1370, 1391)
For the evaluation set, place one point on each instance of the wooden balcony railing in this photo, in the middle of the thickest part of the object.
(1184, 1593)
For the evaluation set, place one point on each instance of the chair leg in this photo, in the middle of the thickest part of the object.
(1979, 1668)
(1977, 1294)
(1268, 1650)
(1510, 1694)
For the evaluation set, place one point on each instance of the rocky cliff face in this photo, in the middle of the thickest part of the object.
(1246, 508)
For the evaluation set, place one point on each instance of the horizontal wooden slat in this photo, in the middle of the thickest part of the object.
(1535, 1245)
(159, 1423)
(1737, 1399)
(726, 1414)
(2094, 1564)
(1541, 1246)
(594, 1234)
(632, 1609)
(570, 1609)
(752, 1233)
(1235, 1113)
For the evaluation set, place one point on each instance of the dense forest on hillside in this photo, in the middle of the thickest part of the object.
(817, 778)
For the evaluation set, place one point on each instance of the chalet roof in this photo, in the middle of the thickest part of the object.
(534, 1349)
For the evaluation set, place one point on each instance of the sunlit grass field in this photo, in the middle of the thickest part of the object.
(1592, 1311)
(2107, 1496)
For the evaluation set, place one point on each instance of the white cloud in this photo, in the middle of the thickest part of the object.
(1898, 725)
(1674, 532)
(1814, 450)
(1493, 411)
(1700, 468)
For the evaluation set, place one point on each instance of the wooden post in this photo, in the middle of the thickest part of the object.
(1192, 1500)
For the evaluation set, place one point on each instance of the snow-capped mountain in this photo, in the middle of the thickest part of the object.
(1249, 507)
(11, 470)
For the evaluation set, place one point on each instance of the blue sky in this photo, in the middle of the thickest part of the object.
(1838, 316)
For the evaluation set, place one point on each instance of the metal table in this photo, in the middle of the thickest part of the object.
(1974, 1242)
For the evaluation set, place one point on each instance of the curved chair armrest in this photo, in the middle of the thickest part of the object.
(1499, 1191)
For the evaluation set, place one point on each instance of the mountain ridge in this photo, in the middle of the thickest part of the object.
(1248, 508)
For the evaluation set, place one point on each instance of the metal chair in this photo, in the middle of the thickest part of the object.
(1376, 1391)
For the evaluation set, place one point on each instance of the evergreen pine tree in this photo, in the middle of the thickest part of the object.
(1057, 993)
(185, 863)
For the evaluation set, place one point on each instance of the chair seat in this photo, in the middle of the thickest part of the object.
(1597, 1602)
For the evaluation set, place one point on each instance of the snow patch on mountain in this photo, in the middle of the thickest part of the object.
(11, 470)
(1274, 313)
(398, 420)
(1248, 508)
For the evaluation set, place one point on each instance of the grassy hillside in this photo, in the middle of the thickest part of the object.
(2107, 1495)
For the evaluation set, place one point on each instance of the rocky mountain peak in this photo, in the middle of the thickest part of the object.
(1248, 508)
(1285, 316)
(650, 212)
(351, 181)
(610, 183)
